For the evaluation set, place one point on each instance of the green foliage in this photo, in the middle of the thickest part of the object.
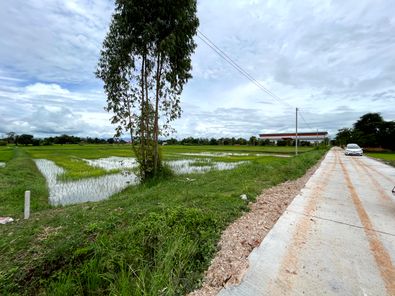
(24, 139)
(371, 130)
(144, 64)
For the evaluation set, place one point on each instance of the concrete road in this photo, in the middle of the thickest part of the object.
(336, 238)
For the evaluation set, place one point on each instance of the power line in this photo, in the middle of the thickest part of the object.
(301, 115)
(228, 59)
(231, 62)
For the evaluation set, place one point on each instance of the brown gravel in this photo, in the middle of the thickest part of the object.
(246, 233)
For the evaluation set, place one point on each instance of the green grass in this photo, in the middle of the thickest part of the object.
(388, 157)
(70, 156)
(19, 175)
(151, 239)
(6, 153)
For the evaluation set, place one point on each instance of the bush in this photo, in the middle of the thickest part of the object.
(3, 143)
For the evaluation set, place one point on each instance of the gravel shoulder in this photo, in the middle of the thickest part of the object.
(246, 233)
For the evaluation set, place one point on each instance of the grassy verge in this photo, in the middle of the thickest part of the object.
(19, 175)
(152, 239)
(387, 157)
(6, 153)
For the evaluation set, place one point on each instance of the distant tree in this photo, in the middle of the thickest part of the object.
(66, 139)
(144, 64)
(25, 139)
(368, 127)
(344, 136)
(213, 141)
(226, 141)
(241, 141)
(48, 141)
(36, 142)
(253, 141)
(281, 143)
(11, 136)
(370, 130)
(171, 141)
(387, 135)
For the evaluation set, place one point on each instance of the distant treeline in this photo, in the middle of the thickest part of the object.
(252, 141)
(25, 139)
(370, 131)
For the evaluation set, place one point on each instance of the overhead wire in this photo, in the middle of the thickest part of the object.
(301, 115)
(228, 59)
(237, 67)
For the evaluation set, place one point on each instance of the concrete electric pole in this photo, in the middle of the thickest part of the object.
(296, 138)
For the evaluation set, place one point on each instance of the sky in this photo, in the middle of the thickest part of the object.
(334, 60)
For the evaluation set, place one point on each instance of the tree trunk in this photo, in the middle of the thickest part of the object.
(142, 132)
(156, 118)
(148, 146)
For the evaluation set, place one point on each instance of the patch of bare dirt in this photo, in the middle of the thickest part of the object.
(47, 232)
(246, 233)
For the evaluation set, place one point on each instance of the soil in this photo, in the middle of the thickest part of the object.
(246, 233)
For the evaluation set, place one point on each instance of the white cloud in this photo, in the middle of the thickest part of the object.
(332, 59)
(43, 109)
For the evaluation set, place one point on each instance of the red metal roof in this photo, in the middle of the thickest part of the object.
(294, 134)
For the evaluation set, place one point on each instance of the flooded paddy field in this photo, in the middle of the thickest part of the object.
(63, 192)
(81, 173)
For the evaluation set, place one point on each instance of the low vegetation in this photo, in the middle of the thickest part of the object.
(387, 157)
(20, 174)
(151, 239)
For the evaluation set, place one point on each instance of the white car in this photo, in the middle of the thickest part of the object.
(353, 149)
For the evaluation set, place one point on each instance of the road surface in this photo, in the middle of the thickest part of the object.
(336, 238)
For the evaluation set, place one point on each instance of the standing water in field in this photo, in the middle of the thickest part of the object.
(99, 188)
(90, 189)
(181, 166)
(225, 154)
(190, 166)
(113, 163)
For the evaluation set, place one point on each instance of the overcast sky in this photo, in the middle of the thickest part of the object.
(335, 60)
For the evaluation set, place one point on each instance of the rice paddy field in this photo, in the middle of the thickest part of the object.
(95, 230)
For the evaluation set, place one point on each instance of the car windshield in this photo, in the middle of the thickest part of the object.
(352, 146)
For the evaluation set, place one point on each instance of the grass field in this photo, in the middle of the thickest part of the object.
(70, 156)
(150, 239)
(6, 153)
(387, 157)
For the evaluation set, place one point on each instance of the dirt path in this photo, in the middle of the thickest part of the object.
(246, 233)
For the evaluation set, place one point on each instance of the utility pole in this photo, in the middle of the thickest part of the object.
(296, 138)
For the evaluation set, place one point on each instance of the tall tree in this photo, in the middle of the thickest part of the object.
(370, 130)
(344, 136)
(144, 64)
(369, 126)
